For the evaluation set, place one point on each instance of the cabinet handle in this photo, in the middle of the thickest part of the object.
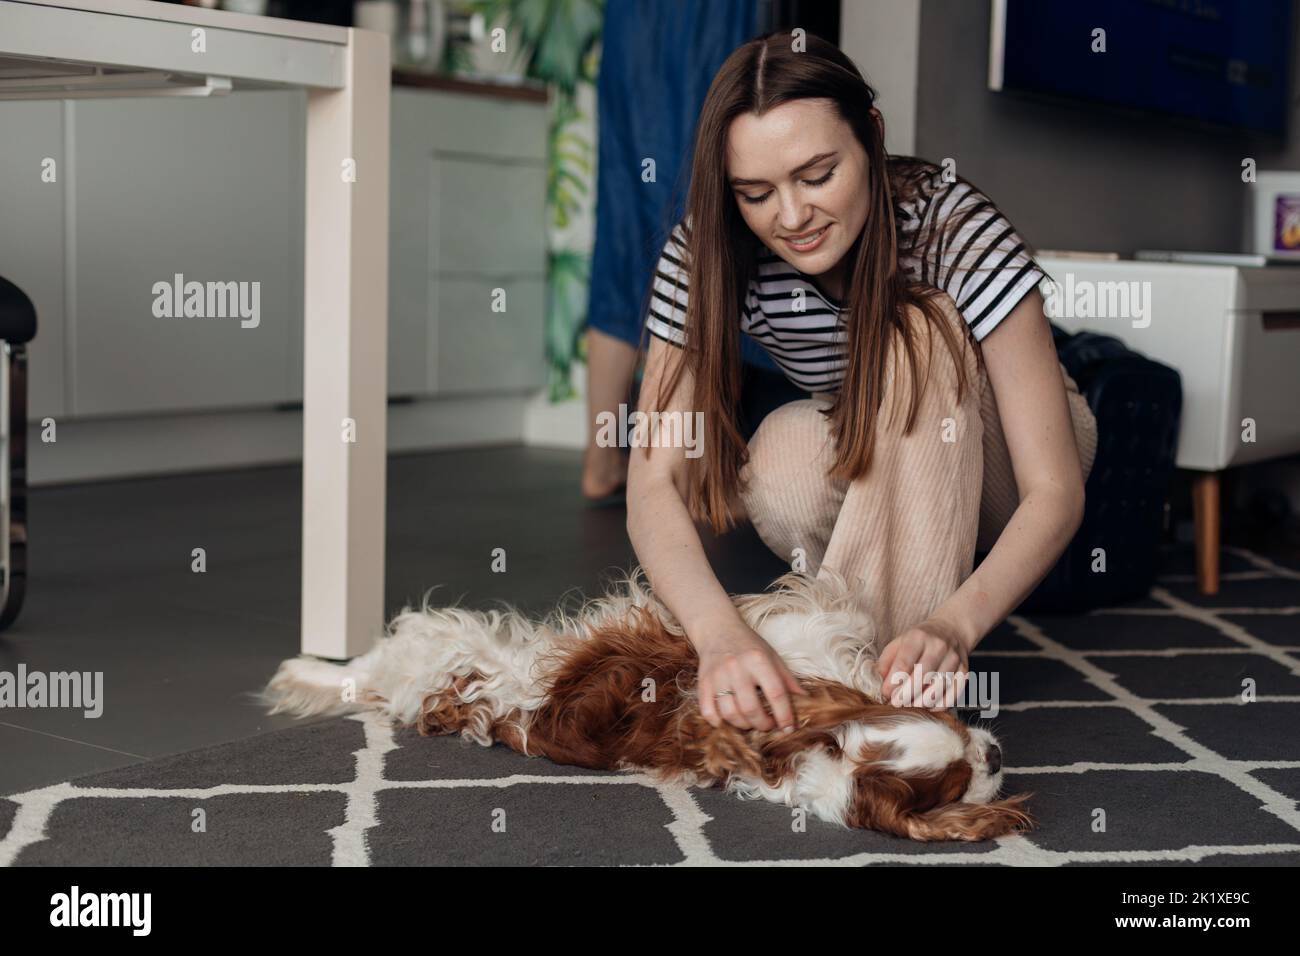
(1278, 320)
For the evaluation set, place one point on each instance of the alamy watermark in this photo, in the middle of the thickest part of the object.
(75, 908)
(1089, 299)
(208, 300)
(37, 689)
(977, 690)
(674, 429)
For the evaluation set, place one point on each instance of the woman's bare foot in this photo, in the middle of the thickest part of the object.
(604, 472)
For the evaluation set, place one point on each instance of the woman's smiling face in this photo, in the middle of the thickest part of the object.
(800, 177)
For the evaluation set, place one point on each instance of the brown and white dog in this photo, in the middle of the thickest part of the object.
(612, 687)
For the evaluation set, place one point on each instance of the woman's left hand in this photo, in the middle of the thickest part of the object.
(942, 655)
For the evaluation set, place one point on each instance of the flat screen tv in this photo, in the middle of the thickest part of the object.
(1216, 63)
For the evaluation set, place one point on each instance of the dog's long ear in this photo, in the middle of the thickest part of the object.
(770, 754)
(889, 803)
(971, 821)
(881, 802)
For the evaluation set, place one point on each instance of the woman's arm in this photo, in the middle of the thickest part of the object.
(1025, 373)
(663, 534)
(667, 543)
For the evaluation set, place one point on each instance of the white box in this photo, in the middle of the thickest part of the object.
(1273, 215)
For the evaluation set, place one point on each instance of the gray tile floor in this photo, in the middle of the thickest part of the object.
(111, 589)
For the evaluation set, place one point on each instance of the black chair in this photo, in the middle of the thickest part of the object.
(17, 328)
(1138, 405)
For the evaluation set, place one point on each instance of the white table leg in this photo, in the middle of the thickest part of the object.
(345, 380)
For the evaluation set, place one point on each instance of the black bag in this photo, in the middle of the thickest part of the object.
(1138, 403)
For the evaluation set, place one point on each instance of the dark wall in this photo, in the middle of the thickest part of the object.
(1076, 177)
(818, 17)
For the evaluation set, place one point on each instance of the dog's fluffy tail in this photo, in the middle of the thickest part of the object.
(309, 686)
(498, 657)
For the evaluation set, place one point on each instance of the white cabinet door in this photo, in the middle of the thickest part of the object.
(480, 349)
(489, 279)
(409, 314)
(211, 190)
(33, 170)
(468, 217)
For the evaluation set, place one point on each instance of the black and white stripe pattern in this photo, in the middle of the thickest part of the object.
(976, 257)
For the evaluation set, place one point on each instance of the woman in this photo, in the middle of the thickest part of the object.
(897, 296)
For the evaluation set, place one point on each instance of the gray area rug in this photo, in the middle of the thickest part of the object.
(1133, 715)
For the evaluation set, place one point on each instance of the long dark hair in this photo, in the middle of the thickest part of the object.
(759, 75)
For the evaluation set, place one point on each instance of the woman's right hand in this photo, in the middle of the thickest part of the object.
(734, 665)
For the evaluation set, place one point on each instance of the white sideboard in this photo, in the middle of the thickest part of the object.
(1232, 332)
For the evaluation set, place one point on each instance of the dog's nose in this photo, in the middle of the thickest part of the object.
(994, 757)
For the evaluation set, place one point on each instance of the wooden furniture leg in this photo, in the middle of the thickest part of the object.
(1205, 512)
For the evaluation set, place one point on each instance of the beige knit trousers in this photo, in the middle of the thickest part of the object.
(905, 533)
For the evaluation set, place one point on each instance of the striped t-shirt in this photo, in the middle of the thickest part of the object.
(983, 266)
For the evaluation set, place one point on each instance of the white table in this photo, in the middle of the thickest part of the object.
(83, 48)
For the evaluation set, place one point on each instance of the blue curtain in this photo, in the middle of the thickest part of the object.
(658, 58)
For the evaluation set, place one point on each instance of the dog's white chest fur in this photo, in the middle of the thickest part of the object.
(836, 641)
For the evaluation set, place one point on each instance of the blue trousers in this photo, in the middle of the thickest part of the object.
(658, 58)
